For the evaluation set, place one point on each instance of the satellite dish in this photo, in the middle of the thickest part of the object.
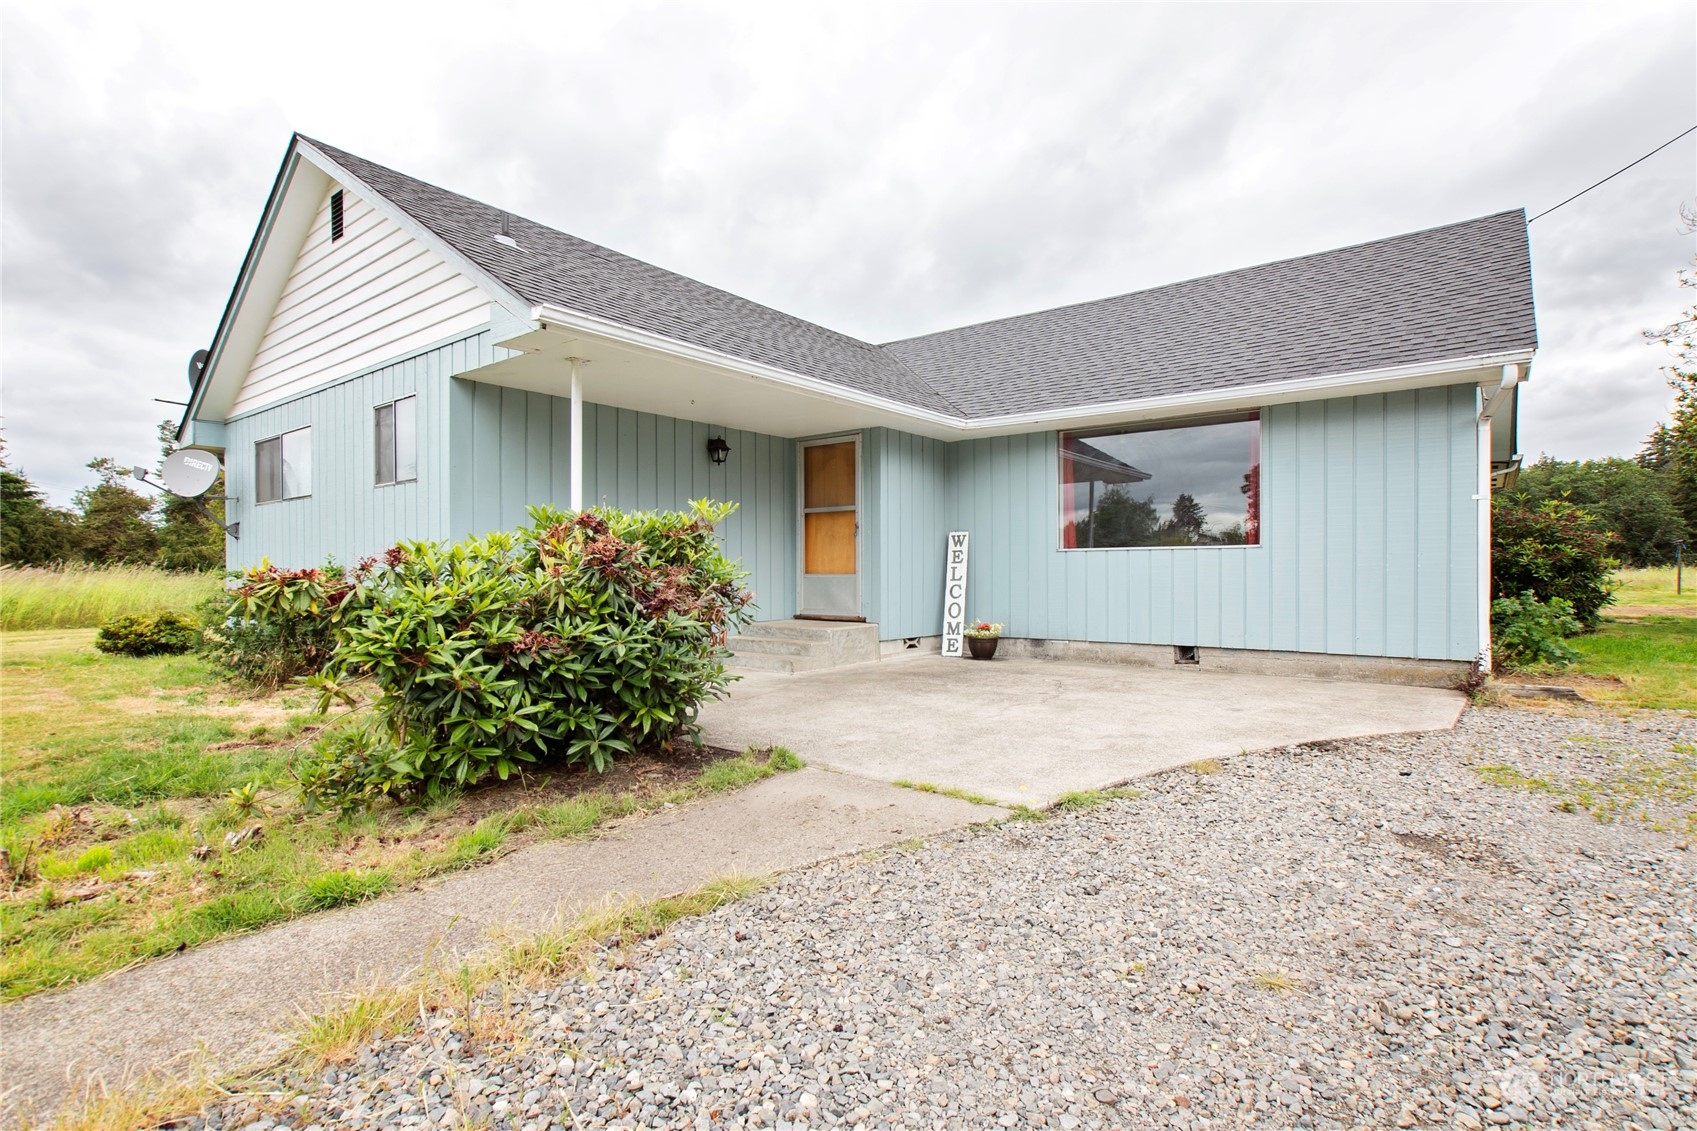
(190, 471)
(197, 366)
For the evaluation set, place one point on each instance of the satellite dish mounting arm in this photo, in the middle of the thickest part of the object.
(139, 472)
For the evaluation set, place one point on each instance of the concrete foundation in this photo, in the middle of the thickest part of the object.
(1315, 665)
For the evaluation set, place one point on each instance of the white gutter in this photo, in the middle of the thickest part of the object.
(1510, 378)
(552, 318)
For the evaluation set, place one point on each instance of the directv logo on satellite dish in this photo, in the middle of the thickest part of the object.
(190, 471)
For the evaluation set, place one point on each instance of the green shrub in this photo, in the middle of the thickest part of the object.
(156, 634)
(275, 625)
(571, 641)
(1527, 632)
(1553, 550)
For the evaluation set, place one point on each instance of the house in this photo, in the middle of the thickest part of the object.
(1285, 467)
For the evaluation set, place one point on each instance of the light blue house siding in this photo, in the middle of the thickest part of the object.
(511, 448)
(485, 454)
(346, 516)
(1368, 539)
(1368, 535)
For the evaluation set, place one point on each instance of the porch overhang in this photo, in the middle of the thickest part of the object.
(636, 369)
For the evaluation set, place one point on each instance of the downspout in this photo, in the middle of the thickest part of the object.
(1511, 378)
(576, 439)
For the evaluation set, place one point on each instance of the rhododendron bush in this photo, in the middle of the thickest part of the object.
(570, 641)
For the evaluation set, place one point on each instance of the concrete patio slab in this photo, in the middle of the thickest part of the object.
(1028, 730)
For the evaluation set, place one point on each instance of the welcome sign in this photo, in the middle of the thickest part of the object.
(954, 593)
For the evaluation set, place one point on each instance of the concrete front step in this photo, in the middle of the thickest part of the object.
(802, 646)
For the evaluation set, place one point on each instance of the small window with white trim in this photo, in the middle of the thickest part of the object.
(283, 466)
(397, 441)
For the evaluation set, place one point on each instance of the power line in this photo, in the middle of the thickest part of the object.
(1614, 174)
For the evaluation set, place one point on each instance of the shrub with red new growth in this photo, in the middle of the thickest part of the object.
(573, 640)
(275, 625)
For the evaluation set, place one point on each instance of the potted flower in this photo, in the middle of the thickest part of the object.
(981, 639)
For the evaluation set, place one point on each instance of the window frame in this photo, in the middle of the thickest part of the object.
(281, 440)
(396, 479)
(1256, 415)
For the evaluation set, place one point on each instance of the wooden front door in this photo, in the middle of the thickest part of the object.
(830, 528)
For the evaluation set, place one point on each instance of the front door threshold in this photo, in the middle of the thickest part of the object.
(830, 616)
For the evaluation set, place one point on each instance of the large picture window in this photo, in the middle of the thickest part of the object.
(283, 466)
(397, 441)
(1198, 485)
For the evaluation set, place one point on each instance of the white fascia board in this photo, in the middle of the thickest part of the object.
(554, 317)
(281, 202)
(1238, 397)
(502, 295)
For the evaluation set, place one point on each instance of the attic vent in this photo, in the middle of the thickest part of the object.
(337, 226)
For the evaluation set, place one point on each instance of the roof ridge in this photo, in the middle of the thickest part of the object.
(1261, 266)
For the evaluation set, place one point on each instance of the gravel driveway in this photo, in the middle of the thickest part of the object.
(1367, 933)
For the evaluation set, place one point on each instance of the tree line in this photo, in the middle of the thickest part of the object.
(110, 523)
(1649, 502)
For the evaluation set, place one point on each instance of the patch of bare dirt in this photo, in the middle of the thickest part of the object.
(1476, 853)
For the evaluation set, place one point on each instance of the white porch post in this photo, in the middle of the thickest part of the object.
(576, 439)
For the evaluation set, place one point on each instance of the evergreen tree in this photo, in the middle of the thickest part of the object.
(31, 531)
(1119, 520)
(116, 525)
(188, 539)
(1188, 522)
(1673, 446)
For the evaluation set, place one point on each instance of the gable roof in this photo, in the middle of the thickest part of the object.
(1461, 292)
(551, 267)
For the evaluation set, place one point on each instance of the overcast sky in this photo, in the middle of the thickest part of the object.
(885, 171)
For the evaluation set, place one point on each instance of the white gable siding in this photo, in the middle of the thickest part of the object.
(373, 295)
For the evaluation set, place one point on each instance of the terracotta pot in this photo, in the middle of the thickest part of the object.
(982, 647)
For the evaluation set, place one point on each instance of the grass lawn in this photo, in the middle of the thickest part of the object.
(1645, 653)
(117, 808)
(1653, 589)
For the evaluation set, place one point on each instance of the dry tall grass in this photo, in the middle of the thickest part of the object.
(81, 596)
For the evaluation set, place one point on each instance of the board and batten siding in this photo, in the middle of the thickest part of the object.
(906, 512)
(348, 515)
(353, 303)
(511, 448)
(1368, 540)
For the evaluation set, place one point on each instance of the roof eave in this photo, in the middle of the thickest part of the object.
(950, 426)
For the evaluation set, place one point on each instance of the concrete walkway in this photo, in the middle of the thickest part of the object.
(1028, 730)
(233, 998)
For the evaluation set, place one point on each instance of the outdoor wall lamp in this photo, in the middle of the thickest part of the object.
(717, 450)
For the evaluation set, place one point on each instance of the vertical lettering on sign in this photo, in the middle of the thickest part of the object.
(954, 594)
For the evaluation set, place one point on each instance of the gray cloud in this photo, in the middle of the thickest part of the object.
(885, 170)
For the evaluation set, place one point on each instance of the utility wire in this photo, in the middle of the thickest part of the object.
(1614, 174)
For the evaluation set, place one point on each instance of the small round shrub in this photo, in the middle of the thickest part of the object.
(144, 634)
(1528, 633)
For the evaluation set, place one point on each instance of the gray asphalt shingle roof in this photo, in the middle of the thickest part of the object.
(552, 267)
(1456, 291)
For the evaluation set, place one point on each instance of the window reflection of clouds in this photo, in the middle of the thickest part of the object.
(1207, 461)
